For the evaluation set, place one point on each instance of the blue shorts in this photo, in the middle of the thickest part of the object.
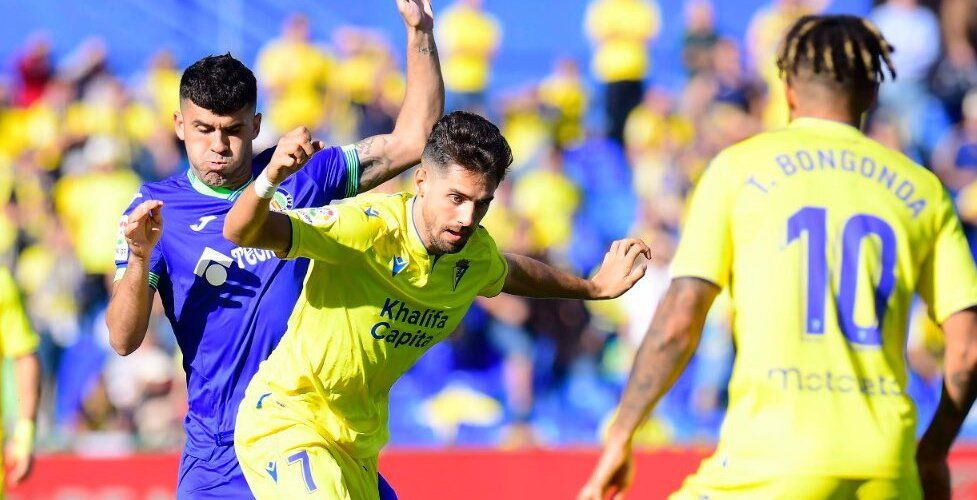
(386, 491)
(221, 477)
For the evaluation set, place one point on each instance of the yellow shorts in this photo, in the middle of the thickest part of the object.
(803, 488)
(283, 457)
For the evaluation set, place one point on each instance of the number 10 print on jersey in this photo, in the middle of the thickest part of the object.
(814, 222)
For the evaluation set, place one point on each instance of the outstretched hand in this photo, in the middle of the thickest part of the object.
(617, 274)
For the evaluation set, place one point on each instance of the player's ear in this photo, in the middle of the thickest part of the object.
(791, 95)
(420, 180)
(178, 124)
(257, 126)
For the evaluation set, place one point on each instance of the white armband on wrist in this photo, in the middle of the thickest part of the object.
(264, 187)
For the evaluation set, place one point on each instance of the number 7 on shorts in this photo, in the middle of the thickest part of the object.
(303, 456)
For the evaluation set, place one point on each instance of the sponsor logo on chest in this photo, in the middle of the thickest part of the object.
(401, 325)
(212, 265)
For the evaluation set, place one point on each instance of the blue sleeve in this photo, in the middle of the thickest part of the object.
(335, 171)
(156, 263)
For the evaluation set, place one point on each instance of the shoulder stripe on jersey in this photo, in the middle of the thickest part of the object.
(352, 170)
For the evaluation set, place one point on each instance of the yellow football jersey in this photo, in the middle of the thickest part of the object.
(822, 236)
(374, 301)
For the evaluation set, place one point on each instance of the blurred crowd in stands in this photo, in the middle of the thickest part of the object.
(600, 151)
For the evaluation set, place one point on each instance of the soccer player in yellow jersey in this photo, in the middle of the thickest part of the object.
(822, 236)
(391, 276)
(18, 342)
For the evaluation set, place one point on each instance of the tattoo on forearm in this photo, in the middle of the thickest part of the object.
(374, 164)
(655, 363)
(427, 49)
(661, 358)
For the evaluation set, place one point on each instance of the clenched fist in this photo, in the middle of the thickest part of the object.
(417, 14)
(293, 151)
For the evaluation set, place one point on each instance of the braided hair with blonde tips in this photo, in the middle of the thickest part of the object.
(849, 50)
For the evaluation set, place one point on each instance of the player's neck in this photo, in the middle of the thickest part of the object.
(827, 114)
(417, 221)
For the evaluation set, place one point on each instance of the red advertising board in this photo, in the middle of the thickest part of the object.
(416, 474)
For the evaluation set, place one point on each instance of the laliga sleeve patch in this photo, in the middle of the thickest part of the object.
(319, 216)
(121, 245)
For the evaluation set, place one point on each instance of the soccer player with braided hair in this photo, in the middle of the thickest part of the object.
(822, 237)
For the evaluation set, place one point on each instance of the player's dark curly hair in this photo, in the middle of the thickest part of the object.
(470, 141)
(221, 84)
(848, 50)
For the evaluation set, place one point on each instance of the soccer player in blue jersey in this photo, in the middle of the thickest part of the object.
(229, 305)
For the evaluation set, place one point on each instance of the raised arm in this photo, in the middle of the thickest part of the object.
(531, 278)
(385, 156)
(666, 349)
(959, 392)
(127, 316)
(250, 223)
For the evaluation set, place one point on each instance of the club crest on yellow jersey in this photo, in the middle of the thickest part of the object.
(461, 267)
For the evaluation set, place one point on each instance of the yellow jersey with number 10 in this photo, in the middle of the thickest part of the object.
(822, 237)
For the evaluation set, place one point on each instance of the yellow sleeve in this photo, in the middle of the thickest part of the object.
(498, 270)
(948, 279)
(706, 247)
(332, 233)
(17, 337)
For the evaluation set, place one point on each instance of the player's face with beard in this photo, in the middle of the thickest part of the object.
(218, 146)
(452, 202)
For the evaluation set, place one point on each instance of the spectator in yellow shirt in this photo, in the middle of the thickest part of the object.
(469, 38)
(88, 204)
(548, 199)
(620, 31)
(18, 343)
(766, 29)
(294, 72)
(564, 96)
(162, 86)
